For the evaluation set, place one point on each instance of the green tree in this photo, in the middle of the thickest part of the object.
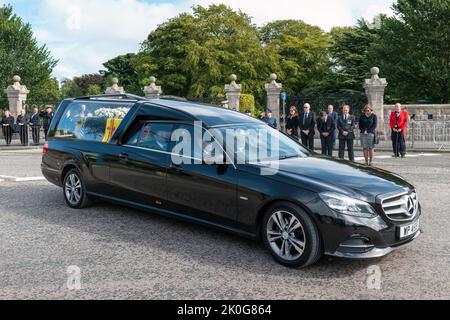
(20, 54)
(47, 93)
(94, 90)
(132, 70)
(195, 54)
(414, 50)
(247, 102)
(86, 81)
(70, 89)
(302, 51)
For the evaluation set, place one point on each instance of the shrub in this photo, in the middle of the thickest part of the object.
(247, 101)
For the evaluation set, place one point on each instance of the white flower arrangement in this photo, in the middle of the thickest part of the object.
(117, 113)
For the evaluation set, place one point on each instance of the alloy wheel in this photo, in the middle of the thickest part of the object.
(286, 235)
(73, 189)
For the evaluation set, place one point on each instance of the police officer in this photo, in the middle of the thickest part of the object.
(326, 127)
(307, 121)
(249, 112)
(47, 116)
(22, 122)
(35, 123)
(269, 119)
(7, 123)
(346, 126)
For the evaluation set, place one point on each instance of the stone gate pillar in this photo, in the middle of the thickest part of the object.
(115, 89)
(273, 89)
(17, 96)
(375, 87)
(233, 93)
(152, 91)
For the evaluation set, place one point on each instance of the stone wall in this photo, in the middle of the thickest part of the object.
(439, 112)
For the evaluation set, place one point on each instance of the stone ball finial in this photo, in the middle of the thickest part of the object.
(115, 80)
(273, 77)
(152, 79)
(16, 78)
(375, 71)
(233, 77)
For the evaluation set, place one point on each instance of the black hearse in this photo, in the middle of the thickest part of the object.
(126, 149)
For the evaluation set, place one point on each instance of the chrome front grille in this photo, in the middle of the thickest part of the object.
(401, 207)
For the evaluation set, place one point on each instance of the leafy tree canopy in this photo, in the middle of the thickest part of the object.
(20, 54)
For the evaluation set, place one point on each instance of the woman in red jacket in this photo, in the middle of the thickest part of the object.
(399, 121)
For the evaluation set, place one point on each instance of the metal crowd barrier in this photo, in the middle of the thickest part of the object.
(441, 135)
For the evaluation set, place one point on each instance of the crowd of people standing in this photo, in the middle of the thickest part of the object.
(35, 121)
(333, 127)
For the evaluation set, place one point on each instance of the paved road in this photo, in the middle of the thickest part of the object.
(128, 254)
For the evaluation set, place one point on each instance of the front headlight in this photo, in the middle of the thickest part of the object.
(348, 206)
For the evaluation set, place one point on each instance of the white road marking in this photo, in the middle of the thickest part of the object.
(20, 179)
(407, 156)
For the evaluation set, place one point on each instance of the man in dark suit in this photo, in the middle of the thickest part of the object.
(22, 122)
(346, 127)
(307, 126)
(35, 122)
(326, 127)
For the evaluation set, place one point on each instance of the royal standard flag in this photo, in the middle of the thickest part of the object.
(111, 126)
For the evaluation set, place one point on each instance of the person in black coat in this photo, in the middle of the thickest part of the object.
(346, 126)
(7, 123)
(47, 116)
(307, 124)
(326, 127)
(35, 123)
(292, 122)
(22, 122)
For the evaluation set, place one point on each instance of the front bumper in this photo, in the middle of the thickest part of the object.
(368, 252)
(359, 238)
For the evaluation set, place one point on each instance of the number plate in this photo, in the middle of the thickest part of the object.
(409, 230)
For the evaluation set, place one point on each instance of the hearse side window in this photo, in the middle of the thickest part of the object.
(91, 121)
(153, 135)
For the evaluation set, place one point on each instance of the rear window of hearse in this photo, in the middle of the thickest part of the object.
(91, 121)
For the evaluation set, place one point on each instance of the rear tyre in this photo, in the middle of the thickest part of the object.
(75, 190)
(291, 236)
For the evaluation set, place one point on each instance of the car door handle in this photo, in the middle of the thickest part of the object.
(123, 156)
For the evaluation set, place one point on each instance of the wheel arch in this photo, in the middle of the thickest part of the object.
(67, 167)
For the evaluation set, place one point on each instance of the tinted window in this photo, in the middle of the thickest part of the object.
(94, 121)
(153, 135)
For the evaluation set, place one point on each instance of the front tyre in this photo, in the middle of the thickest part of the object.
(75, 190)
(291, 236)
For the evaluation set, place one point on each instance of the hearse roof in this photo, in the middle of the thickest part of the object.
(211, 116)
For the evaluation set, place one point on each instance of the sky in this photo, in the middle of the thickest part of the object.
(83, 34)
